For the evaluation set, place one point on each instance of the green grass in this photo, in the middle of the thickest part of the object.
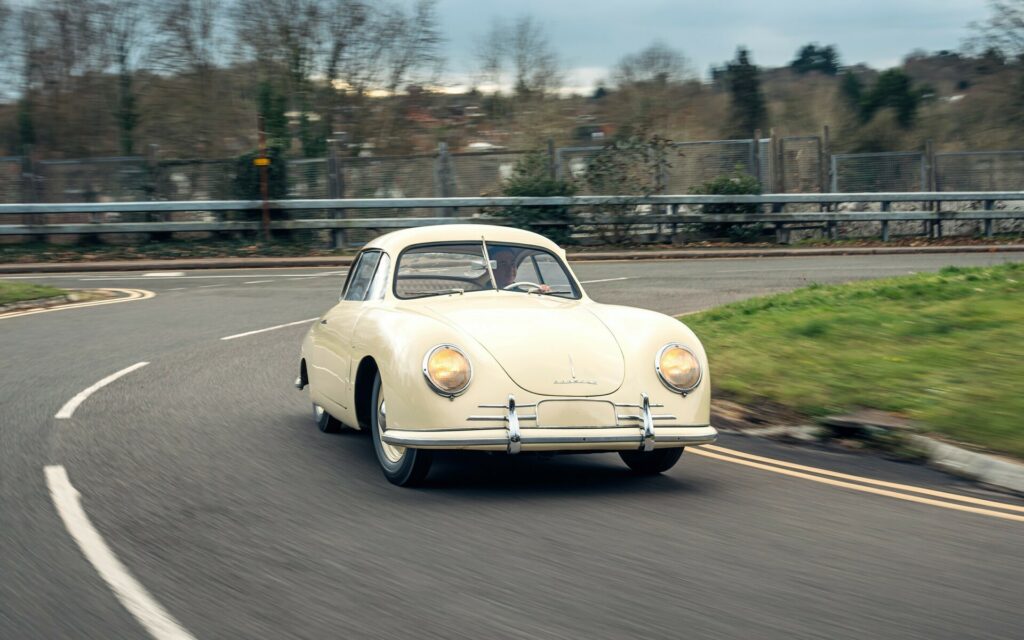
(18, 292)
(946, 350)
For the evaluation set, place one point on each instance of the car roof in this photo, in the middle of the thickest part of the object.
(394, 242)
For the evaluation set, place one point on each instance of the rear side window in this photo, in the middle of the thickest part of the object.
(362, 273)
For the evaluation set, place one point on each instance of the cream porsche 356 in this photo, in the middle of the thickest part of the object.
(480, 337)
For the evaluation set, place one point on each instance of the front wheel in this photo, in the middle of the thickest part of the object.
(649, 463)
(401, 466)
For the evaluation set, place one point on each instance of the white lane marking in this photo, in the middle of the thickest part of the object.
(605, 280)
(280, 326)
(177, 289)
(69, 407)
(132, 595)
(209, 286)
(133, 295)
(164, 274)
(257, 281)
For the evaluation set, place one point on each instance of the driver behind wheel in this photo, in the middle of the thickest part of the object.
(505, 268)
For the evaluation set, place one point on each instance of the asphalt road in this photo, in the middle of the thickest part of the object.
(204, 475)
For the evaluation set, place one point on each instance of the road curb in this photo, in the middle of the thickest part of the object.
(344, 261)
(980, 467)
(993, 471)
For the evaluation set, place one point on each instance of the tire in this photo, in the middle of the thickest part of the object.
(650, 463)
(401, 466)
(325, 421)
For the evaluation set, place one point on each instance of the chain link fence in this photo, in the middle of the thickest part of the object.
(482, 174)
(12, 180)
(878, 172)
(802, 158)
(691, 164)
(795, 164)
(979, 171)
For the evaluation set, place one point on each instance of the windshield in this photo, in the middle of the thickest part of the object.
(461, 267)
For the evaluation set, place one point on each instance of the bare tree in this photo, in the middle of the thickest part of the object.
(414, 41)
(658, 64)
(1003, 31)
(523, 48)
(124, 22)
(189, 46)
(650, 89)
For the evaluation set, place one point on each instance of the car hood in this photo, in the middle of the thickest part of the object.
(548, 346)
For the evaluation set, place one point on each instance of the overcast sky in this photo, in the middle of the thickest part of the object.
(591, 35)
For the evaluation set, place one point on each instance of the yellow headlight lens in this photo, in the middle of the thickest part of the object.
(678, 368)
(447, 370)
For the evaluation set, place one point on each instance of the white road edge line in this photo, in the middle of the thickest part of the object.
(605, 280)
(280, 326)
(257, 281)
(69, 407)
(154, 618)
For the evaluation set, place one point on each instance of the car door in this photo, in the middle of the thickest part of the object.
(332, 370)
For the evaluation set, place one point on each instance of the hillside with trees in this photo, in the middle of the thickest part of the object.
(112, 77)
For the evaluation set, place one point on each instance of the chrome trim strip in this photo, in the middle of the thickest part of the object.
(514, 437)
(405, 441)
(647, 438)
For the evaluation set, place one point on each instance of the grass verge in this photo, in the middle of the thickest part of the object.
(20, 292)
(945, 350)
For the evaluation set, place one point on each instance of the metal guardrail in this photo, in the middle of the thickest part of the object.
(774, 201)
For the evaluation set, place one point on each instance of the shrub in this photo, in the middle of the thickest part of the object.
(739, 183)
(531, 177)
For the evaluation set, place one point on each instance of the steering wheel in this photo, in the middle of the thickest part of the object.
(523, 283)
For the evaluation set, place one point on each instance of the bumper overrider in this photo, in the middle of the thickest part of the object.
(634, 429)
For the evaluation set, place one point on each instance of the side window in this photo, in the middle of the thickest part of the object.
(380, 278)
(362, 272)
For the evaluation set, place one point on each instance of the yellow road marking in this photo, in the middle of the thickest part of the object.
(133, 294)
(880, 483)
(858, 487)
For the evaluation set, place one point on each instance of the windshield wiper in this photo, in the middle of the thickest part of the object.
(442, 292)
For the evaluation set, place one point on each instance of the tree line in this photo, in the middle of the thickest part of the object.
(98, 77)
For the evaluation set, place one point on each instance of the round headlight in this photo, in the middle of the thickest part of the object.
(678, 368)
(447, 370)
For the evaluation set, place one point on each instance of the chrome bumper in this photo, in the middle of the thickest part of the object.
(552, 439)
(638, 433)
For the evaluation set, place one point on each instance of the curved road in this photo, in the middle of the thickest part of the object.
(209, 486)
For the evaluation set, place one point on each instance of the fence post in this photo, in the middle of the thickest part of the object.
(775, 153)
(833, 174)
(153, 169)
(335, 189)
(755, 157)
(445, 184)
(824, 157)
(929, 172)
(989, 204)
(552, 166)
(886, 206)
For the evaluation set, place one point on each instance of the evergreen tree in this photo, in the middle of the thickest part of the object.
(811, 57)
(747, 110)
